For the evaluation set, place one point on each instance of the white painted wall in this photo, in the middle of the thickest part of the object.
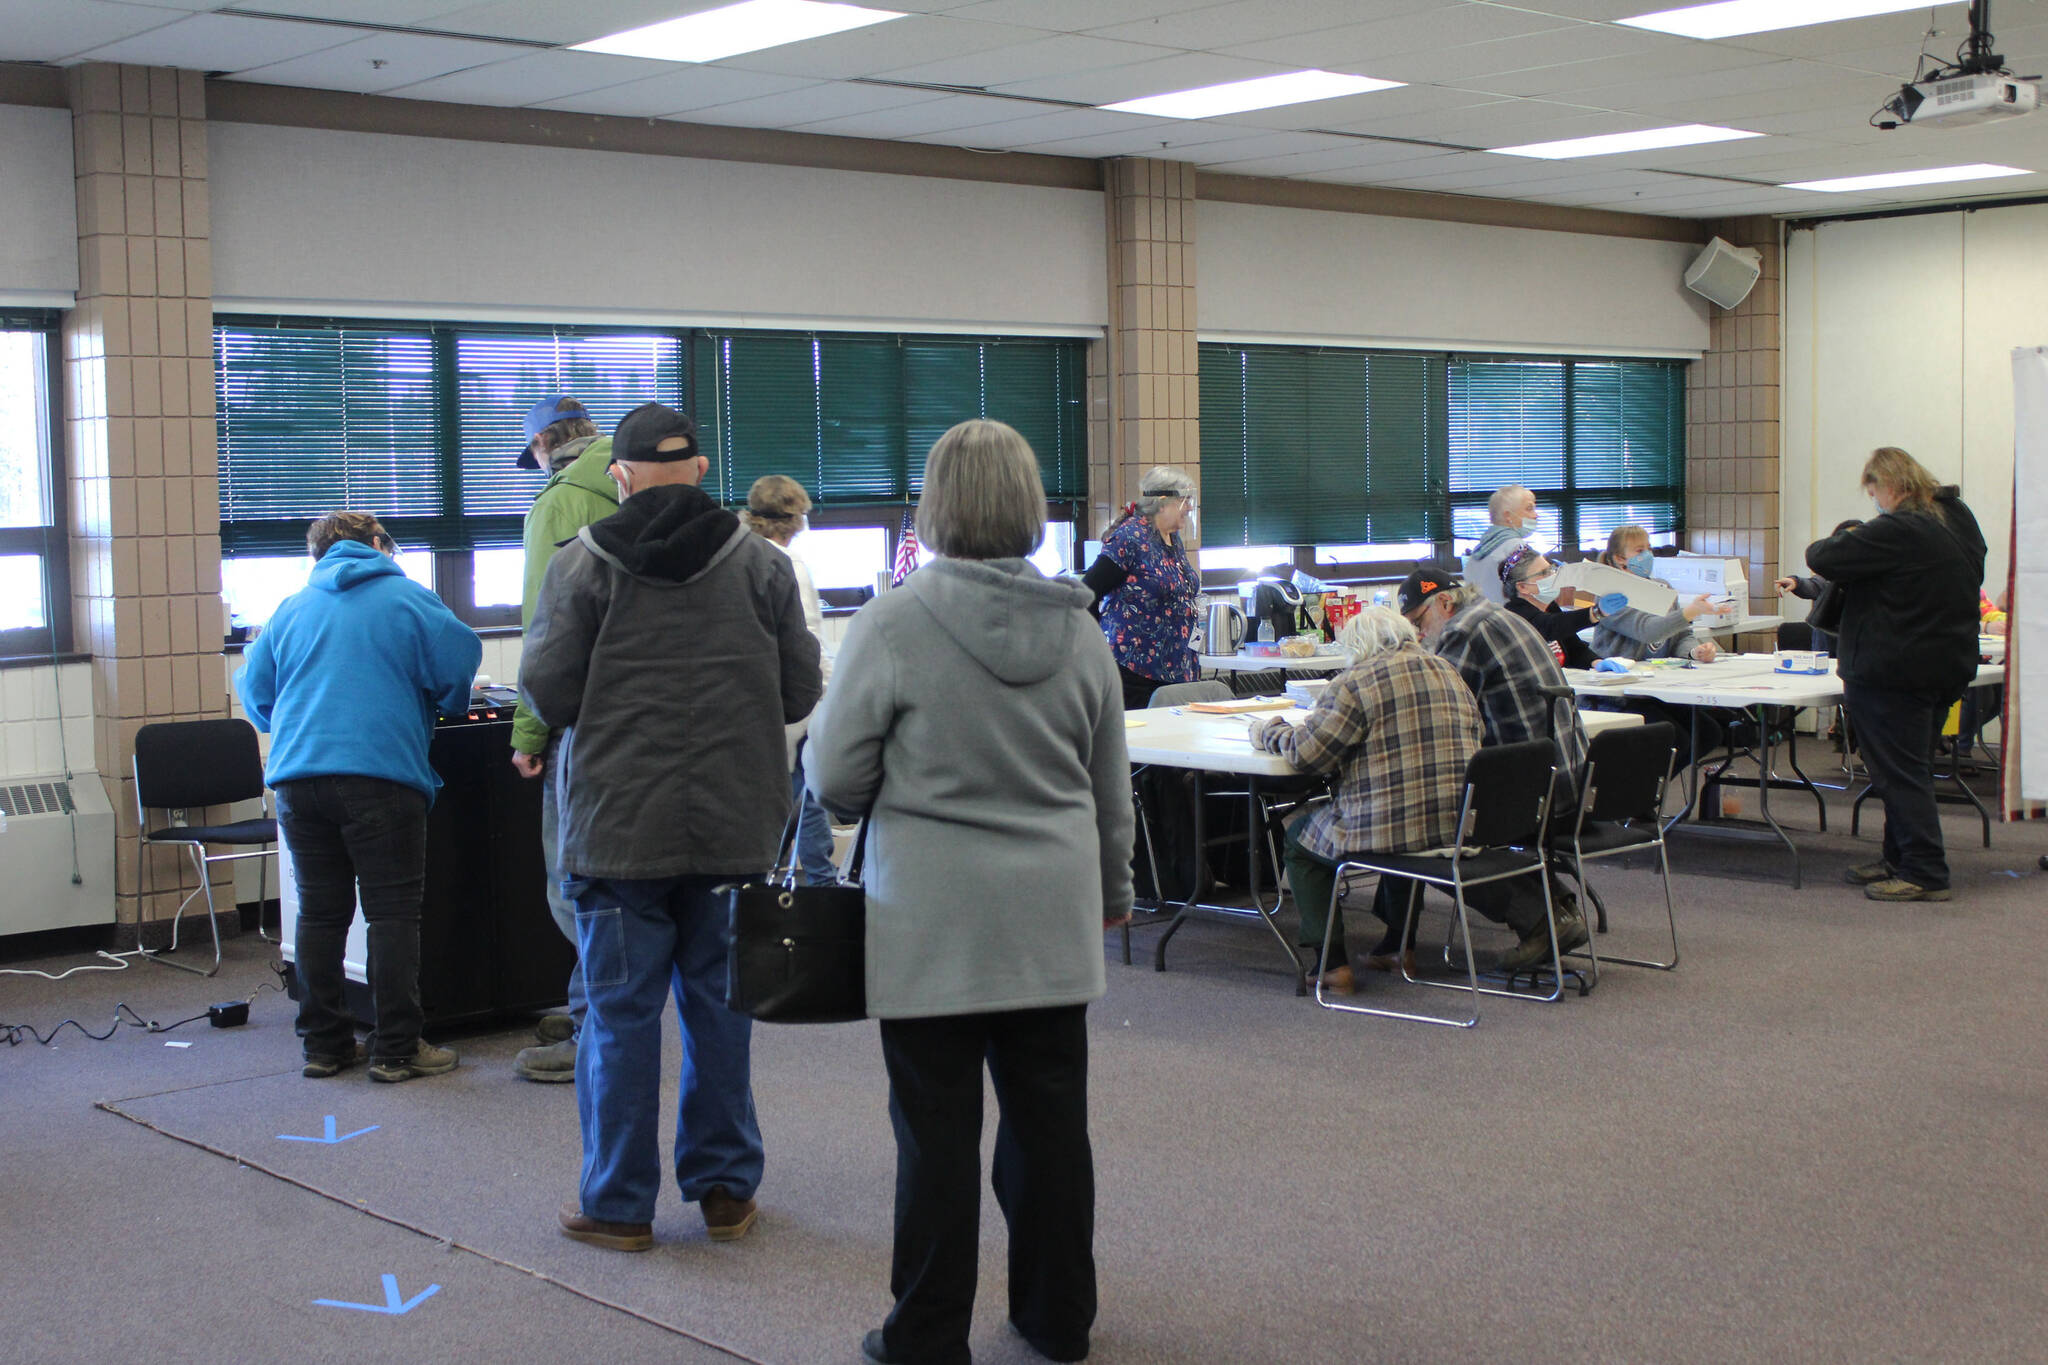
(1294, 274)
(38, 208)
(369, 223)
(1900, 331)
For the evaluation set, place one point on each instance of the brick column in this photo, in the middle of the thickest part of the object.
(145, 498)
(1149, 373)
(1731, 470)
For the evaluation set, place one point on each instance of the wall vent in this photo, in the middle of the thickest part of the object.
(36, 798)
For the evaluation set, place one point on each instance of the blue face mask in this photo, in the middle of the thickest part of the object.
(1640, 564)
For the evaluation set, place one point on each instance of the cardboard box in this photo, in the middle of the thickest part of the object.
(1723, 579)
(1596, 579)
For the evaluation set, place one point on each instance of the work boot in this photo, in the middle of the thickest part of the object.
(1899, 889)
(727, 1219)
(426, 1060)
(555, 1028)
(611, 1236)
(552, 1064)
(1863, 874)
(319, 1068)
(1532, 951)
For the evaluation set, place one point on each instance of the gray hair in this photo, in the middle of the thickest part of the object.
(1462, 595)
(1374, 631)
(983, 498)
(1161, 485)
(1503, 501)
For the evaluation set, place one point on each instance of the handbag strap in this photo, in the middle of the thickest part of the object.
(784, 870)
(856, 861)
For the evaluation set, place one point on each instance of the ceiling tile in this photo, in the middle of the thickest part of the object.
(677, 92)
(1659, 92)
(1252, 21)
(376, 64)
(1468, 63)
(1171, 138)
(1672, 57)
(357, 11)
(1068, 16)
(915, 41)
(1371, 107)
(532, 79)
(1181, 71)
(813, 104)
(1359, 46)
(1059, 125)
(1067, 54)
(221, 42)
(1353, 155)
(1902, 32)
(37, 31)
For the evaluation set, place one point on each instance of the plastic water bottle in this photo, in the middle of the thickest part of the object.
(1266, 631)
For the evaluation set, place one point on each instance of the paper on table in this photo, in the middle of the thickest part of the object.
(1132, 722)
(1241, 705)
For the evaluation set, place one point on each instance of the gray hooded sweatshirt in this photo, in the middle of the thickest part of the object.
(670, 643)
(977, 719)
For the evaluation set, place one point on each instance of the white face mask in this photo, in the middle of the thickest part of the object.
(1546, 589)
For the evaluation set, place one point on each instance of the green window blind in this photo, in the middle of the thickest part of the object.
(311, 419)
(1306, 446)
(500, 375)
(852, 417)
(1601, 442)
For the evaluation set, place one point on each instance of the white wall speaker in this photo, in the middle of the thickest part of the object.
(1724, 274)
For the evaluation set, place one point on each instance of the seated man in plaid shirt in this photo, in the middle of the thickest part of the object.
(1397, 727)
(1510, 669)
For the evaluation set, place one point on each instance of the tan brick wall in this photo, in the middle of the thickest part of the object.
(138, 386)
(1731, 479)
(1150, 371)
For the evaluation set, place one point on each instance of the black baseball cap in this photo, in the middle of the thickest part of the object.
(1425, 583)
(646, 427)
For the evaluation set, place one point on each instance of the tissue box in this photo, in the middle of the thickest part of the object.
(1722, 579)
(1597, 579)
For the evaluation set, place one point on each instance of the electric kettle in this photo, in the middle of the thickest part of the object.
(1225, 629)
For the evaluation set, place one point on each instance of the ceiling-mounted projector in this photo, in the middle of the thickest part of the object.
(1964, 99)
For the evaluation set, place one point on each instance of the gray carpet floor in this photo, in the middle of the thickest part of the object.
(1821, 1138)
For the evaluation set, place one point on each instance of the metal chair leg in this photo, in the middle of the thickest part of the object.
(212, 920)
(1471, 967)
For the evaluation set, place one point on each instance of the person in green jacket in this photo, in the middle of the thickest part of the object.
(561, 437)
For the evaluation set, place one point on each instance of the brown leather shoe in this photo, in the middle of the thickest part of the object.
(1384, 962)
(610, 1236)
(727, 1219)
(1339, 981)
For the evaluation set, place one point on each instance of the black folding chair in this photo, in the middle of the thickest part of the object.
(1500, 836)
(185, 766)
(1620, 810)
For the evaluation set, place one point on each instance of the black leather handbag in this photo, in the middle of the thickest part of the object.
(798, 954)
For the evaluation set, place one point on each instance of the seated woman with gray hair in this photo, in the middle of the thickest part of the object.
(1397, 728)
(1147, 592)
(975, 719)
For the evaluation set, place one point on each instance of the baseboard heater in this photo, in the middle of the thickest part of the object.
(39, 819)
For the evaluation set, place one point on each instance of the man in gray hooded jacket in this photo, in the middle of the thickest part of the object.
(669, 643)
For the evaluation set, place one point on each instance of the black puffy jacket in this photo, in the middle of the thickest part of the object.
(1909, 582)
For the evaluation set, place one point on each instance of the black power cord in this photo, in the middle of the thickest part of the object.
(226, 1014)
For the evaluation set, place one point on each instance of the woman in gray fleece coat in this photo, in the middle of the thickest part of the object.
(976, 719)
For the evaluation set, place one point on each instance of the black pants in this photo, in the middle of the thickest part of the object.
(347, 833)
(1138, 688)
(1896, 733)
(1044, 1177)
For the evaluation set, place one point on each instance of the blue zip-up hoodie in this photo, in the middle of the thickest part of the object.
(350, 673)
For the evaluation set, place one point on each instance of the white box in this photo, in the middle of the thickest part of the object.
(1592, 577)
(1722, 579)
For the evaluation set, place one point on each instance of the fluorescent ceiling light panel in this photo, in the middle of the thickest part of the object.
(1610, 144)
(1261, 92)
(1938, 175)
(748, 27)
(1732, 17)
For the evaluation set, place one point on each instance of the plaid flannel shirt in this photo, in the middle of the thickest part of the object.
(1507, 664)
(1397, 729)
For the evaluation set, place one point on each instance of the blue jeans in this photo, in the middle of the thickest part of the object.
(551, 856)
(641, 940)
(813, 832)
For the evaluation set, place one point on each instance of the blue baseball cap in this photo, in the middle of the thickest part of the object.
(556, 407)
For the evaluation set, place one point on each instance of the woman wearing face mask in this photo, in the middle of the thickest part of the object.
(1147, 592)
(1529, 585)
(1626, 632)
(1909, 578)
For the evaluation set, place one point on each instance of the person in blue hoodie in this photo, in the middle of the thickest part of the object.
(347, 680)
(1512, 514)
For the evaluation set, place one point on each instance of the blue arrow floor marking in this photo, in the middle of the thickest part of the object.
(393, 1306)
(329, 1139)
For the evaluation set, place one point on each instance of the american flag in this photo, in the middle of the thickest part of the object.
(906, 548)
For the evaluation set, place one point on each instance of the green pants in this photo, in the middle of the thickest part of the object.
(1314, 879)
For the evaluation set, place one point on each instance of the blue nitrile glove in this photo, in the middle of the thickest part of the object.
(1613, 602)
(1610, 666)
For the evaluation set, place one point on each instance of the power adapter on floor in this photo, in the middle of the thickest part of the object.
(228, 1014)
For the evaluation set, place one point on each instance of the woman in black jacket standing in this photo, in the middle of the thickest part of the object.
(1909, 579)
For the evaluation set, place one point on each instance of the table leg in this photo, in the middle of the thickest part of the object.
(1763, 790)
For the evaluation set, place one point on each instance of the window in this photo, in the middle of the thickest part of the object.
(1600, 442)
(35, 579)
(422, 425)
(1355, 463)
